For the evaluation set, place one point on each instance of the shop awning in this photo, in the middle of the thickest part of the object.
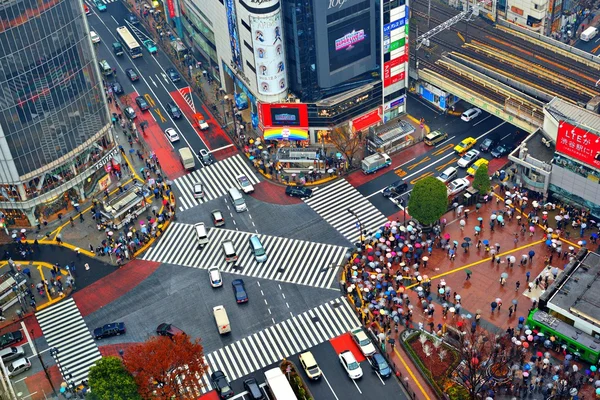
(366, 121)
(286, 134)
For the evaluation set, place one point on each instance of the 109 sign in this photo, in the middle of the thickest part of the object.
(336, 3)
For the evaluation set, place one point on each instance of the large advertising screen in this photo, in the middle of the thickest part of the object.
(269, 55)
(234, 38)
(349, 41)
(283, 114)
(578, 143)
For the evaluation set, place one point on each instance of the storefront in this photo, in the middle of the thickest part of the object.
(439, 98)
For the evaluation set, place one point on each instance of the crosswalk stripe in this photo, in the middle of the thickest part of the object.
(332, 202)
(216, 178)
(64, 328)
(288, 260)
(281, 340)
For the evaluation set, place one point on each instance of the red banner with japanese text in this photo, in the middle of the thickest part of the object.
(578, 143)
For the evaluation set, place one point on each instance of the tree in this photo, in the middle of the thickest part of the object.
(428, 200)
(109, 380)
(346, 142)
(481, 182)
(166, 367)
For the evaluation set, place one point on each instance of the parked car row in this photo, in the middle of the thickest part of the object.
(13, 357)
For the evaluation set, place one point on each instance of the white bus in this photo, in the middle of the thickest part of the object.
(279, 385)
(129, 42)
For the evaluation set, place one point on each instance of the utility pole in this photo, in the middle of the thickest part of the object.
(43, 365)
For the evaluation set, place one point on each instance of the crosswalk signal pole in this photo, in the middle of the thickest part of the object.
(43, 365)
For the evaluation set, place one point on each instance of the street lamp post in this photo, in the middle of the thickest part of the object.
(360, 226)
(223, 101)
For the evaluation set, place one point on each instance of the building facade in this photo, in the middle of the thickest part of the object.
(55, 133)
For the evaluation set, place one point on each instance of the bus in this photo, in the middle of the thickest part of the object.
(129, 42)
(279, 385)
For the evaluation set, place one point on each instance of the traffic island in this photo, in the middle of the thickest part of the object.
(298, 385)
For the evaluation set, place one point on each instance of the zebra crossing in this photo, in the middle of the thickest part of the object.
(64, 329)
(288, 260)
(216, 178)
(282, 340)
(332, 202)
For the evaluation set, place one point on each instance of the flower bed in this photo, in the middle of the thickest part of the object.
(296, 381)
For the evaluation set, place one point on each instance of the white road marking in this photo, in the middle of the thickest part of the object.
(328, 384)
(444, 142)
(477, 123)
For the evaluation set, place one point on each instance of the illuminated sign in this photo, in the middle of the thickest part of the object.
(283, 114)
(578, 143)
(350, 39)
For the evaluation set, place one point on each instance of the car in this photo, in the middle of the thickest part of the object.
(298, 191)
(217, 217)
(379, 364)
(108, 330)
(254, 391)
(10, 338)
(205, 157)
(129, 112)
(18, 366)
(173, 75)
(435, 137)
(198, 190)
(221, 384)
(457, 186)
(473, 168)
(116, 87)
(239, 290)
(310, 366)
(86, 9)
(141, 103)
(172, 135)
(169, 330)
(448, 174)
(150, 46)
(468, 158)
(487, 145)
(131, 74)
(94, 36)
(470, 114)
(174, 110)
(100, 5)
(214, 274)
(397, 187)
(363, 342)
(245, 183)
(203, 124)
(132, 19)
(350, 364)
(465, 145)
(501, 150)
(12, 353)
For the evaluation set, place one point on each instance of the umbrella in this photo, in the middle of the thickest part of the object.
(558, 218)
(504, 275)
(465, 245)
(477, 229)
(512, 259)
(479, 219)
(467, 239)
(515, 301)
(447, 236)
(531, 253)
(425, 258)
(457, 297)
(508, 202)
(468, 271)
(528, 332)
(486, 242)
(452, 309)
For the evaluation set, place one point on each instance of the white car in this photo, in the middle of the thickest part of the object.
(245, 184)
(203, 124)
(95, 37)
(363, 341)
(448, 174)
(214, 274)
(470, 114)
(469, 158)
(458, 185)
(198, 190)
(350, 364)
(172, 135)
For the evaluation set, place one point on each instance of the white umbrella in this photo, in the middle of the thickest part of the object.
(508, 201)
(558, 218)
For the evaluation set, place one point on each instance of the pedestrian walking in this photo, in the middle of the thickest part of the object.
(528, 275)
(517, 285)
(510, 311)
(468, 275)
(71, 221)
(81, 218)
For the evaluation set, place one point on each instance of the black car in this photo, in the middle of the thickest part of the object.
(131, 74)
(487, 145)
(239, 290)
(501, 150)
(129, 113)
(254, 391)
(108, 330)
(397, 187)
(298, 191)
(116, 87)
(174, 110)
(10, 338)
(132, 19)
(141, 103)
(221, 384)
(173, 75)
(379, 364)
(169, 330)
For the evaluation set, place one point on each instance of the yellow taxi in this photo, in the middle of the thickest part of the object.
(465, 145)
(473, 168)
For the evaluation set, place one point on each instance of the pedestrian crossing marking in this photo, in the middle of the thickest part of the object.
(332, 202)
(288, 260)
(281, 340)
(217, 179)
(64, 329)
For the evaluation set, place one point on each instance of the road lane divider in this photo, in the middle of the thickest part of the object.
(425, 175)
(443, 166)
(441, 150)
(415, 165)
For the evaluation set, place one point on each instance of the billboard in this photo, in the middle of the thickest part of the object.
(578, 143)
(283, 114)
(349, 41)
(234, 37)
(269, 55)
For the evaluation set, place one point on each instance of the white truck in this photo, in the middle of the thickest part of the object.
(374, 162)
(279, 385)
(589, 34)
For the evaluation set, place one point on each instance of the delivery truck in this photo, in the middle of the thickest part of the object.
(375, 161)
(221, 319)
(187, 158)
(589, 34)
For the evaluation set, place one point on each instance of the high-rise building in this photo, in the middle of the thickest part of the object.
(55, 126)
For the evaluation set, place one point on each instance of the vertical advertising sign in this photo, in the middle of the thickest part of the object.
(269, 55)
(234, 37)
(171, 8)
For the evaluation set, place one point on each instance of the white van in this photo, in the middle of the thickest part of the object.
(238, 201)
(187, 158)
(201, 234)
(229, 250)
(257, 249)
(221, 319)
(589, 34)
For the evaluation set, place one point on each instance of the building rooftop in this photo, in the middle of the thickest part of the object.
(564, 110)
(537, 148)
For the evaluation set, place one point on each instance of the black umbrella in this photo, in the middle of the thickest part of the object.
(465, 245)
(467, 239)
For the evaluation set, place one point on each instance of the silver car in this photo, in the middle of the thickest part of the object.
(16, 367)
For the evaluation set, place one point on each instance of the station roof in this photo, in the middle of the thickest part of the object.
(564, 110)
